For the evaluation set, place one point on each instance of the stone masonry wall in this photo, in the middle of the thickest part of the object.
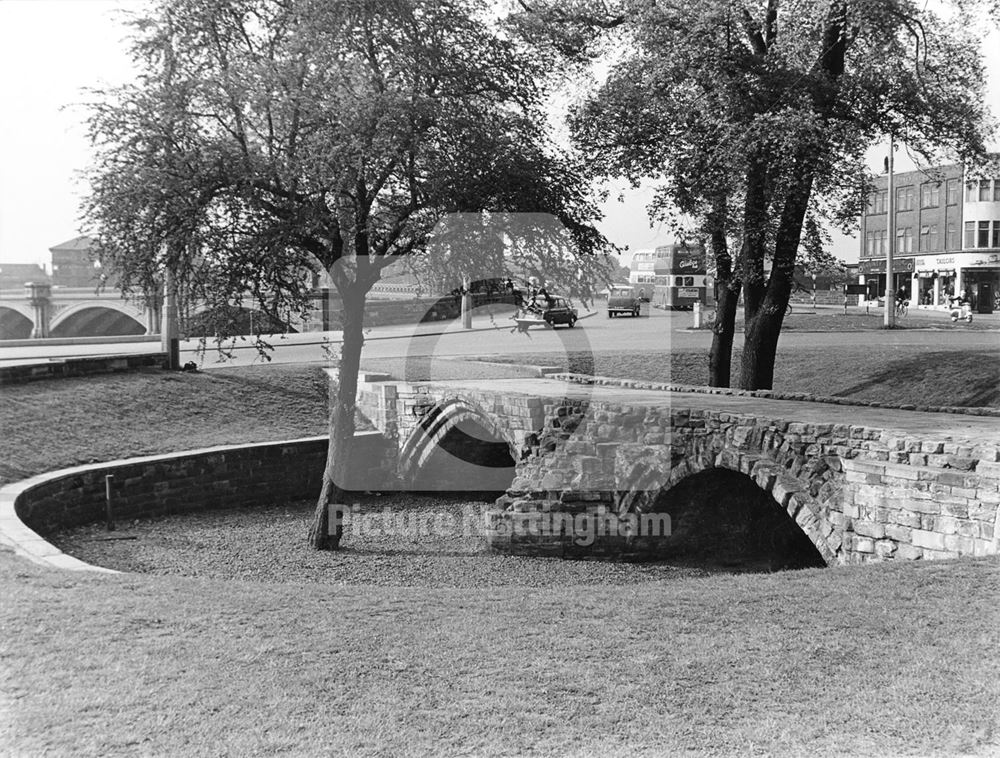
(235, 477)
(859, 493)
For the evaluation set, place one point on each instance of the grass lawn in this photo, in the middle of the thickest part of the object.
(878, 660)
(921, 375)
(804, 319)
(873, 660)
(54, 424)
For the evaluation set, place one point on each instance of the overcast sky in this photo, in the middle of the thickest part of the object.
(50, 50)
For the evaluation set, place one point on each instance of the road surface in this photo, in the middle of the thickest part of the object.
(493, 334)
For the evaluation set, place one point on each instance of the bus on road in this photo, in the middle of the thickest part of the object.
(680, 277)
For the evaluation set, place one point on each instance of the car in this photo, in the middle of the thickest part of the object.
(559, 311)
(623, 300)
(549, 311)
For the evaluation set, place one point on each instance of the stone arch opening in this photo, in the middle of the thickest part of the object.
(457, 448)
(97, 321)
(722, 519)
(14, 325)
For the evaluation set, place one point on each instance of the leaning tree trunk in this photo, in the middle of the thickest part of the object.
(323, 535)
(720, 358)
(763, 327)
(760, 347)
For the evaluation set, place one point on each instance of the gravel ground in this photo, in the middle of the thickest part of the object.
(269, 545)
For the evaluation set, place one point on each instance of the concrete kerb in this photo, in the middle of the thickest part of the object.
(27, 543)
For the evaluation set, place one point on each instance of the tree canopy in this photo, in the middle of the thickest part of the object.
(266, 138)
(755, 117)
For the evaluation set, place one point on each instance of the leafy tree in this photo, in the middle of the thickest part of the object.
(267, 138)
(755, 114)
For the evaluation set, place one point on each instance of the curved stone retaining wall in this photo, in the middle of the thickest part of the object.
(223, 477)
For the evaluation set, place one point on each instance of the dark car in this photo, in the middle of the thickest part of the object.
(559, 311)
(548, 310)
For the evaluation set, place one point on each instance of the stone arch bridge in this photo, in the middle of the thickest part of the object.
(861, 483)
(67, 312)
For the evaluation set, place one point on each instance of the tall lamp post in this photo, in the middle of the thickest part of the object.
(890, 300)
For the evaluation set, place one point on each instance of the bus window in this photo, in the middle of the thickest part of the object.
(688, 281)
(678, 281)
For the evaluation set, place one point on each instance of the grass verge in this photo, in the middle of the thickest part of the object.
(877, 660)
(54, 424)
(921, 375)
(873, 660)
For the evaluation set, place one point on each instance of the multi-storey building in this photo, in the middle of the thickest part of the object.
(947, 237)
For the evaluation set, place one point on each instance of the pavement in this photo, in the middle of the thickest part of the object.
(493, 333)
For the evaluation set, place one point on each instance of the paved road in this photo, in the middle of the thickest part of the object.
(493, 334)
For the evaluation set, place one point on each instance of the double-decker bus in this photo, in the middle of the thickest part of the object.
(680, 277)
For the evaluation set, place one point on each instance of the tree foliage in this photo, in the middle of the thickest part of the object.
(268, 138)
(755, 115)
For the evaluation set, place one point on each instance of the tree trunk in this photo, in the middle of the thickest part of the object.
(754, 237)
(323, 535)
(763, 328)
(720, 359)
(760, 346)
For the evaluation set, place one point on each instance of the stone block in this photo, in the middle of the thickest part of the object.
(959, 544)
(885, 548)
(946, 524)
(863, 545)
(869, 529)
(982, 547)
(898, 533)
(928, 540)
(908, 553)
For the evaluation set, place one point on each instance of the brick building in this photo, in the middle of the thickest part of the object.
(947, 237)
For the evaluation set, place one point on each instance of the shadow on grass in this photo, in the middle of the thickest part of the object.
(947, 378)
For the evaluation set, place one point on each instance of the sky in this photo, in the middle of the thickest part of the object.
(51, 50)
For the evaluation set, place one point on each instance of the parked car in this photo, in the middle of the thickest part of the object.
(622, 300)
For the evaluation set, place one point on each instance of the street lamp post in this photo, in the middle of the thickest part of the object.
(890, 310)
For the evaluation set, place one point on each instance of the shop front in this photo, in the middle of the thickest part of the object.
(872, 274)
(982, 282)
(938, 278)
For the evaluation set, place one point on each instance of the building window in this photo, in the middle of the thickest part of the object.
(904, 239)
(881, 240)
(995, 242)
(952, 192)
(928, 238)
(930, 195)
(877, 201)
(904, 199)
(970, 234)
(952, 242)
(996, 190)
(984, 190)
(971, 192)
(984, 234)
